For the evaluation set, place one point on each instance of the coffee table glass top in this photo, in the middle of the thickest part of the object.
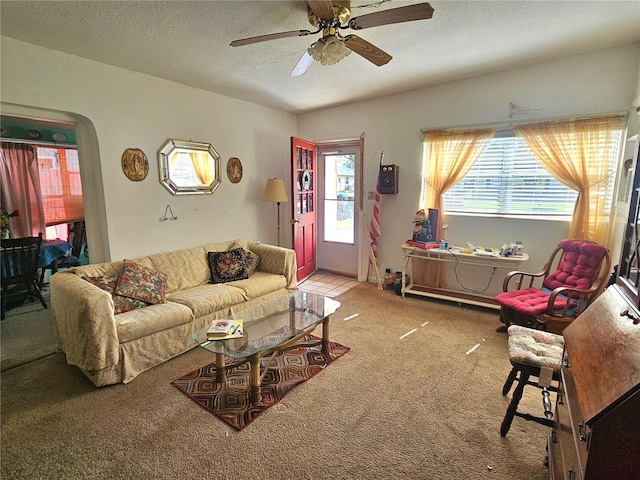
(271, 323)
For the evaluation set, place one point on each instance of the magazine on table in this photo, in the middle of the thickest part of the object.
(225, 328)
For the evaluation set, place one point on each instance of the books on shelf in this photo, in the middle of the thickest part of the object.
(225, 328)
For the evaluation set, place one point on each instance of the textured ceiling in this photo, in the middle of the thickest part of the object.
(188, 42)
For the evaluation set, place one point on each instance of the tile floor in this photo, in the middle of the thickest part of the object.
(327, 284)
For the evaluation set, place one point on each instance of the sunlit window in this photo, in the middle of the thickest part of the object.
(60, 185)
(339, 194)
(507, 179)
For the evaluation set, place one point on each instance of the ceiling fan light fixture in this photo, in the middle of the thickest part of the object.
(329, 50)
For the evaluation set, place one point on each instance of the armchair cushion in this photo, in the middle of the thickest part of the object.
(530, 301)
(579, 267)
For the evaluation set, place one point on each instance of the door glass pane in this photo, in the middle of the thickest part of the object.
(339, 198)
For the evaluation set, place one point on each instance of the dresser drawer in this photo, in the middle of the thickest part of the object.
(571, 432)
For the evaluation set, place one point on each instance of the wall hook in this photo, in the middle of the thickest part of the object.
(165, 217)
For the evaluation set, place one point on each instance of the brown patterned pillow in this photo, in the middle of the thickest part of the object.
(252, 259)
(120, 304)
(227, 266)
(138, 281)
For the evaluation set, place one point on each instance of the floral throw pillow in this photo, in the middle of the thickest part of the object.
(227, 266)
(120, 304)
(142, 283)
(252, 259)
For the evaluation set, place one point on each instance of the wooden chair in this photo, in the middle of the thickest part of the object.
(533, 354)
(19, 266)
(575, 274)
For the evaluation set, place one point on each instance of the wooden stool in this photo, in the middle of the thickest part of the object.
(532, 353)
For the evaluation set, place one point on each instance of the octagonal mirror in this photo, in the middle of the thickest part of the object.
(189, 168)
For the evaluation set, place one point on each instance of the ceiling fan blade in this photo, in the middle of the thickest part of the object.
(322, 9)
(303, 65)
(421, 11)
(367, 50)
(271, 36)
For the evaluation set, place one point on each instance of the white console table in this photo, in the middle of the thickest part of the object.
(411, 254)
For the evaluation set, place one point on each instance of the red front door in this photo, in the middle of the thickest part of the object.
(303, 186)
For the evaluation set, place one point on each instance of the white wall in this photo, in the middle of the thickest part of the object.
(599, 82)
(118, 109)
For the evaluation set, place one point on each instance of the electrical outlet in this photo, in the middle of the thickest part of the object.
(371, 195)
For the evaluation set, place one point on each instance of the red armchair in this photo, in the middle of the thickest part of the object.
(575, 274)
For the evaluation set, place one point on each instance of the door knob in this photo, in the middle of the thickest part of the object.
(294, 220)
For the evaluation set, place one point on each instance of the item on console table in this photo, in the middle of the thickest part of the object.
(223, 329)
(422, 244)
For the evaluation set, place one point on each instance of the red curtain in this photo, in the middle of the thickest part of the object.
(20, 181)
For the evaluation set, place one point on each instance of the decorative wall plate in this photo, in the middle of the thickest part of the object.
(59, 137)
(33, 134)
(135, 164)
(234, 170)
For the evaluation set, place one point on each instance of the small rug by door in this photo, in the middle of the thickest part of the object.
(229, 401)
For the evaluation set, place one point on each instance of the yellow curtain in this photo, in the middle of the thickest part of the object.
(450, 155)
(202, 166)
(578, 154)
(175, 157)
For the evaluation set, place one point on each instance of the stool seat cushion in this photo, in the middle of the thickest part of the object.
(536, 348)
(530, 301)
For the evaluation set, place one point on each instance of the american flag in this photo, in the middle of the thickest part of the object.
(374, 227)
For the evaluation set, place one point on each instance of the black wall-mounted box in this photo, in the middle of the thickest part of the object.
(389, 176)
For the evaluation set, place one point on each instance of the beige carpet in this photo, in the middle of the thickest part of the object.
(427, 406)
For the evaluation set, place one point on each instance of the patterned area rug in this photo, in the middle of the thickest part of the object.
(229, 401)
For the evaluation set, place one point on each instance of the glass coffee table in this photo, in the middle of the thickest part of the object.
(270, 328)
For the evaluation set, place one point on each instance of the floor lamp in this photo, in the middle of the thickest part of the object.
(274, 191)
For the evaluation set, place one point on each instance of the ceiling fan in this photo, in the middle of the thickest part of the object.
(331, 16)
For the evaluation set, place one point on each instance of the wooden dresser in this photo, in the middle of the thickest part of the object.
(597, 419)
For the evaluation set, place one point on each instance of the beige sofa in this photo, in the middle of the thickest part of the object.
(110, 348)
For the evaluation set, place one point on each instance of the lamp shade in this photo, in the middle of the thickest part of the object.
(329, 50)
(274, 191)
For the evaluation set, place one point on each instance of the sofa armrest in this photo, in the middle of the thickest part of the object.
(85, 322)
(278, 260)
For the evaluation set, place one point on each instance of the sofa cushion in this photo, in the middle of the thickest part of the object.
(261, 283)
(138, 281)
(227, 266)
(147, 321)
(206, 299)
(251, 258)
(183, 268)
(121, 304)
